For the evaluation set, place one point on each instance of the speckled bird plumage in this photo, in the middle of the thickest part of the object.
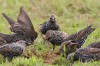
(23, 28)
(51, 24)
(13, 49)
(69, 48)
(85, 55)
(57, 37)
(2, 41)
(94, 45)
(80, 36)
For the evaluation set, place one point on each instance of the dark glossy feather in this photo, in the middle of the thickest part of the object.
(94, 45)
(10, 21)
(81, 36)
(13, 49)
(23, 28)
(85, 55)
(51, 24)
(2, 41)
(69, 48)
(57, 37)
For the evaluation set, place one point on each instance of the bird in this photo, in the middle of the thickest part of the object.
(55, 37)
(13, 49)
(2, 41)
(72, 47)
(51, 24)
(58, 37)
(69, 48)
(94, 45)
(22, 29)
(85, 55)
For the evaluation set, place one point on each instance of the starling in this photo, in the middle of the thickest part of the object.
(13, 49)
(69, 48)
(51, 24)
(58, 37)
(85, 55)
(94, 45)
(23, 28)
(55, 37)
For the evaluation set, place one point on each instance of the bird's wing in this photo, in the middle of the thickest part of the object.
(94, 45)
(10, 48)
(81, 36)
(91, 51)
(24, 19)
(10, 21)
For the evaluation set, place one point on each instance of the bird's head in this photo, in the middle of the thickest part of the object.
(72, 57)
(22, 42)
(49, 33)
(52, 18)
(71, 45)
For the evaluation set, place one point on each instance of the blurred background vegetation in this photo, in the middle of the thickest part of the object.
(72, 16)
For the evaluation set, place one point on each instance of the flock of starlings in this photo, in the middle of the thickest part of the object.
(24, 34)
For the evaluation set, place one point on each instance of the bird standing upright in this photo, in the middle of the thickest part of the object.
(51, 24)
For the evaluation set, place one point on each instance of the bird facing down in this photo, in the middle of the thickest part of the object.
(58, 37)
(51, 24)
(69, 48)
(23, 28)
(13, 49)
(86, 54)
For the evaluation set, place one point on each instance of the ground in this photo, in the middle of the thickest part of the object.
(72, 16)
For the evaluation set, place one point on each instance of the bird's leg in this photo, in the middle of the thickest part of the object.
(4, 58)
(44, 40)
(61, 51)
(53, 47)
(9, 59)
(47, 43)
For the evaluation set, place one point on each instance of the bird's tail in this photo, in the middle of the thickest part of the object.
(3, 35)
(6, 37)
(81, 36)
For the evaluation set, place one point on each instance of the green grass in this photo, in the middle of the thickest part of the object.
(72, 16)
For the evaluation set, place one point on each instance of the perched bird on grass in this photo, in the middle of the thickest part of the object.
(85, 55)
(23, 28)
(58, 37)
(13, 49)
(55, 37)
(51, 24)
